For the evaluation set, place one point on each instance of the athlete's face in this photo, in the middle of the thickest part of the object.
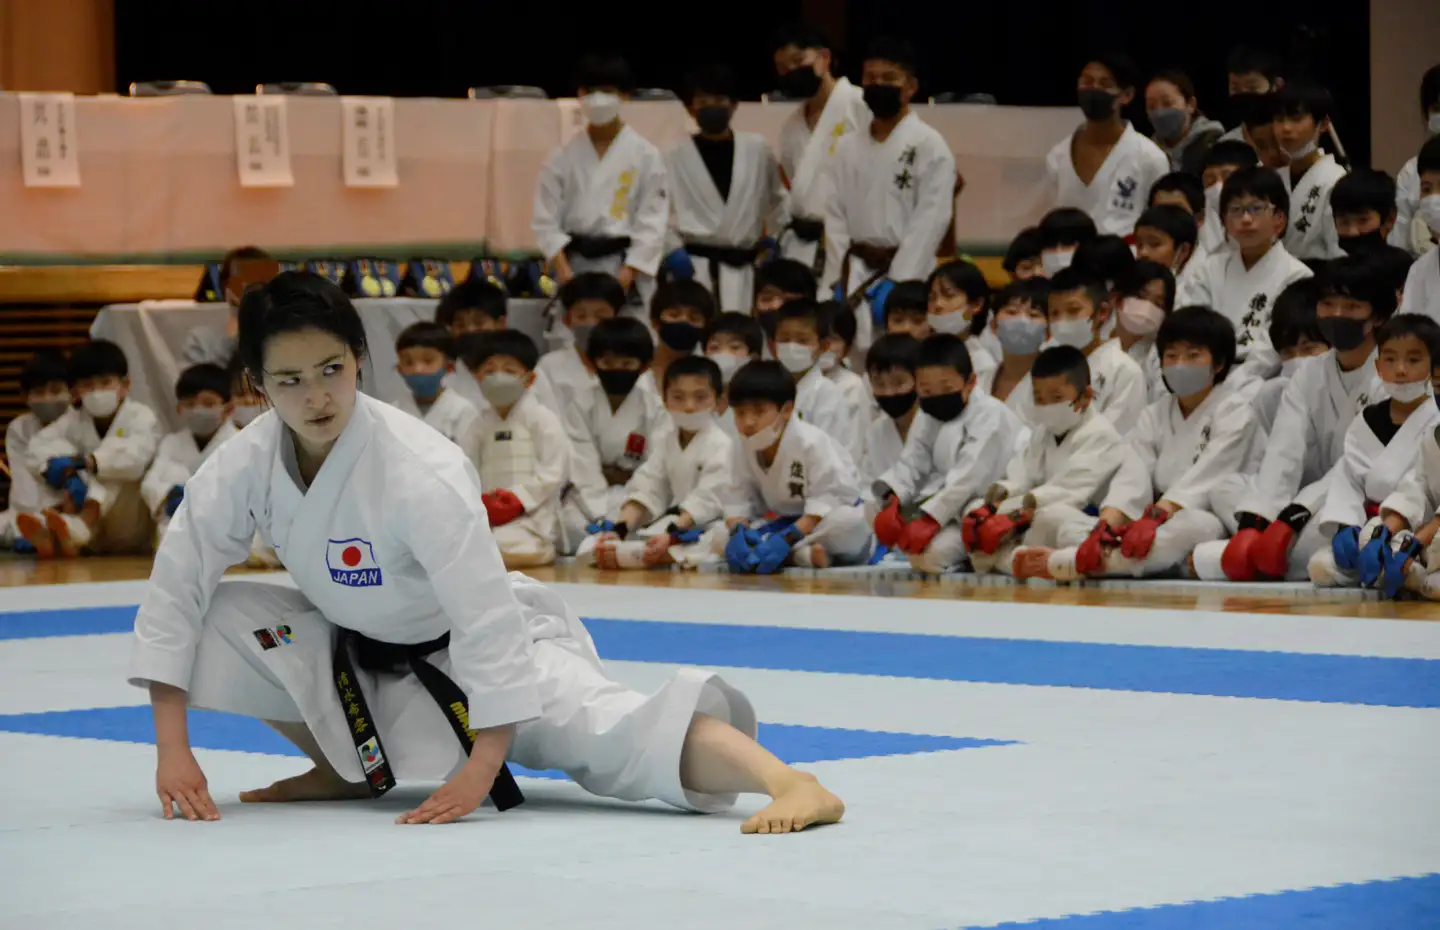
(311, 378)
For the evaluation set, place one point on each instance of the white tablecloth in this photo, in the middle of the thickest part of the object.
(153, 333)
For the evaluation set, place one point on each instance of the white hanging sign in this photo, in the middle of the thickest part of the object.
(262, 141)
(49, 144)
(369, 138)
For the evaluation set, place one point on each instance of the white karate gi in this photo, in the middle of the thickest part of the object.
(391, 540)
(810, 476)
(1369, 471)
(899, 193)
(1118, 193)
(1422, 286)
(807, 156)
(700, 214)
(122, 456)
(1409, 233)
(1020, 400)
(883, 447)
(1267, 402)
(1053, 479)
(450, 415)
(824, 404)
(463, 383)
(623, 194)
(175, 461)
(948, 466)
(982, 361)
(528, 454)
(1121, 389)
(1246, 298)
(1144, 354)
(1179, 459)
(1417, 499)
(1311, 233)
(28, 492)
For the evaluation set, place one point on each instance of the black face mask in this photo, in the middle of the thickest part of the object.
(713, 121)
(1363, 243)
(896, 405)
(883, 100)
(1097, 104)
(800, 83)
(1343, 333)
(617, 383)
(943, 407)
(682, 337)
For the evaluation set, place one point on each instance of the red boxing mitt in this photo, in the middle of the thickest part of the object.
(1090, 557)
(997, 530)
(1140, 535)
(970, 526)
(502, 506)
(889, 525)
(918, 534)
(1272, 553)
(1238, 561)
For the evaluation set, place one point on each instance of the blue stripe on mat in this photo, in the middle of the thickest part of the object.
(213, 730)
(1329, 679)
(1399, 904)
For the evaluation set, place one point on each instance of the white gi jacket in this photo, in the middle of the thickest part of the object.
(122, 456)
(1120, 190)
(694, 479)
(1311, 233)
(1371, 470)
(807, 155)
(450, 415)
(528, 454)
(1075, 470)
(178, 457)
(810, 477)
(822, 403)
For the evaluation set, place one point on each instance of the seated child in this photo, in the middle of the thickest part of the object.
(1422, 284)
(1225, 157)
(1061, 232)
(1363, 205)
(475, 305)
(1022, 257)
(518, 447)
(1411, 518)
(776, 284)
(1072, 454)
(611, 425)
(47, 393)
(680, 313)
(246, 406)
(202, 397)
(1295, 334)
(1179, 189)
(588, 298)
(890, 364)
(674, 498)
(800, 332)
(792, 469)
(907, 309)
(427, 358)
(1147, 295)
(1302, 117)
(1165, 234)
(1382, 447)
(953, 454)
(835, 352)
(732, 341)
(1156, 512)
(1107, 258)
(1021, 323)
(109, 441)
(1079, 307)
(959, 304)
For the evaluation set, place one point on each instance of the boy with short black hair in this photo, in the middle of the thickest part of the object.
(890, 365)
(108, 440)
(518, 447)
(1061, 232)
(426, 360)
(834, 353)
(1167, 234)
(675, 496)
(951, 457)
(800, 333)
(1020, 323)
(1302, 117)
(1411, 232)
(1022, 256)
(1224, 159)
(788, 467)
(46, 390)
(731, 341)
(1422, 286)
(1079, 306)
(475, 305)
(587, 299)
(1179, 189)
(1067, 464)
(777, 283)
(907, 309)
(680, 313)
(202, 396)
(1363, 205)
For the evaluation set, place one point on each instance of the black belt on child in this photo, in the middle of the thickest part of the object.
(806, 229)
(394, 658)
(596, 247)
(717, 255)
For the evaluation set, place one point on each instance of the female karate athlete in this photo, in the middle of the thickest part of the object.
(406, 652)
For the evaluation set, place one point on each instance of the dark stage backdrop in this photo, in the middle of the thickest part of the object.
(1023, 53)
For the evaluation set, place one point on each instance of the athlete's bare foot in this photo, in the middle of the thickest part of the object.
(66, 546)
(1033, 562)
(314, 785)
(605, 556)
(37, 534)
(657, 552)
(806, 803)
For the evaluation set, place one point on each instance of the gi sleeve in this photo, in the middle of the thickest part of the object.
(1278, 480)
(907, 476)
(1345, 494)
(547, 214)
(984, 451)
(934, 211)
(51, 442)
(831, 479)
(649, 484)
(1407, 195)
(24, 486)
(1232, 430)
(703, 504)
(650, 216)
(1128, 395)
(129, 447)
(163, 474)
(1093, 461)
(744, 497)
(1133, 487)
(1415, 498)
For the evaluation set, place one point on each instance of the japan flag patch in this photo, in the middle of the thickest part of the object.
(352, 563)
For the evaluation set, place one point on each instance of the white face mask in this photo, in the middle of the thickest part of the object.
(1077, 333)
(692, 422)
(244, 414)
(951, 324)
(1059, 418)
(1429, 212)
(1408, 392)
(502, 389)
(101, 403)
(202, 421)
(764, 439)
(1306, 150)
(1055, 262)
(795, 357)
(1019, 335)
(728, 363)
(1141, 317)
(600, 108)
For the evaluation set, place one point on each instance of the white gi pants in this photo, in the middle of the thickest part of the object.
(613, 741)
(945, 553)
(1175, 539)
(1044, 533)
(1225, 497)
(522, 545)
(574, 522)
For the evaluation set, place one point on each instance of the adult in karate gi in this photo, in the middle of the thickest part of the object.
(239, 269)
(810, 136)
(1415, 237)
(381, 526)
(203, 402)
(1382, 445)
(1106, 167)
(1422, 285)
(1302, 117)
(725, 185)
(894, 194)
(602, 202)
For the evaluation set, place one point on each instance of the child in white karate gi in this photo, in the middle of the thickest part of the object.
(478, 305)
(1022, 256)
(1020, 324)
(1166, 234)
(958, 303)
(675, 497)
(519, 448)
(835, 353)
(890, 367)
(1410, 516)
(1156, 510)
(1363, 206)
(426, 353)
(1224, 159)
(1183, 190)
(1411, 232)
(1067, 465)
(776, 284)
(1422, 286)
(108, 441)
(1079, 307)
(680, 313)
(1295, 335)
(587, 299)
(1146, 296)
(1382, 446)
(202, 397)
(1302, 117)
(907, 310)
(789, 468)
(954, 453)
(47, 395)
(800, 332)
(732, 341)
(1062, 231)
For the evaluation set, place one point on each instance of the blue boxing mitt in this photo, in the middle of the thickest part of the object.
(740, 550)
(678, 266)
(877, 295)
(78, 491)
(1396, 559)
(173, 499)
(685, 537)
(1374, 544)
(1345, 546)
(774, 549)
(60, 467)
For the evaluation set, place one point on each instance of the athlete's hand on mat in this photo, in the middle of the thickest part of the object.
(180, 783)
(459, 796)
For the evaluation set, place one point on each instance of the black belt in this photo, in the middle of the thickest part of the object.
(717, 255)
(375, 656)
(807, 230)
(595, 247)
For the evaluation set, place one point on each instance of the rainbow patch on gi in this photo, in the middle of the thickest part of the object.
(370, 754)
(352, 563)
